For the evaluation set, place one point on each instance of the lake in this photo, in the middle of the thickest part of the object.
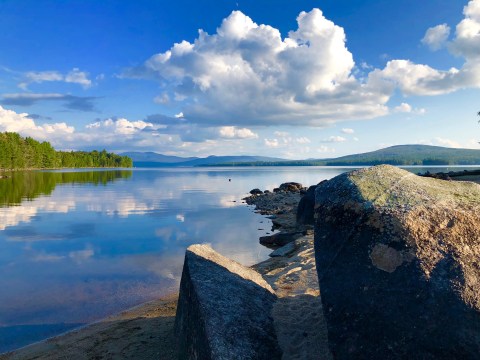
(76, 246)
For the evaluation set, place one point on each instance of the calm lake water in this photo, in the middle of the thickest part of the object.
(76, 246)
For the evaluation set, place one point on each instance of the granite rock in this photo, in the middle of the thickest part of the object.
(398, 260)
(224, 310)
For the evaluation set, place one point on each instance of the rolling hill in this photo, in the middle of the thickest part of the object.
(152, 159)
(393, 155)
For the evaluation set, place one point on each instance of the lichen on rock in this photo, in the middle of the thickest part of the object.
(400, 252)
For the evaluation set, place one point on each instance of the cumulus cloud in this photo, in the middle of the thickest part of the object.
(246, 73)
(21, 123)
(407, 108)
(71, 102)
(420, 79)
(120, 126)
(403, 108)
(271, 143)
(231, 132)
(467, 33)
(347, 131)
(74, 76)
(78, 77)
(436, 37)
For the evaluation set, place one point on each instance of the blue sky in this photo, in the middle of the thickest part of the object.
(294, 79)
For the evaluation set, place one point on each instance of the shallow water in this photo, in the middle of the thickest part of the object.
(76, 246)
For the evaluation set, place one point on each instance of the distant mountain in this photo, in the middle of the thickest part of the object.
(152, 159)
(394, 155)
(239, 160)
(411, 155)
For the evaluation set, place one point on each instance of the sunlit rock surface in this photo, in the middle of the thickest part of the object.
(224, 309)
(398, 260)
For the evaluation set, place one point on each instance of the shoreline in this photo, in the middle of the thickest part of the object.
(129, 333)
(142, 332)
(146, 330)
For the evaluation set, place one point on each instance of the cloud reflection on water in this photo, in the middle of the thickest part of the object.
(123, 242)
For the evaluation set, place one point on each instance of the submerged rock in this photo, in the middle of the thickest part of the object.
(398, 260)
(224, 309)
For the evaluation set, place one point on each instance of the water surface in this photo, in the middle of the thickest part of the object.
(76, 246)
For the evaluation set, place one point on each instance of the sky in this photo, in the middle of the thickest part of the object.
(291, 79)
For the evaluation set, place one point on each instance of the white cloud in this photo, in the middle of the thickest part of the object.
(281, 133)
(467, 41)
(78, 77)
(120, 126)
(179, 115)
(334, 139)
(41, 76)
(271, 143)
(420, 79)
(447, 142)
(436, 37)
(303, 140)
(347, 131)
(403, 108)
(407, 108)
(246, 73)
(231, 132)
(74, 76)
(417, 79)
(20, 122)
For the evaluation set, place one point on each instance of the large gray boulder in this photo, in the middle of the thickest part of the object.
(398, 260)
(223, 309)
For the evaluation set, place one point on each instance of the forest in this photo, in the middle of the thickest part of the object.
(17, 152)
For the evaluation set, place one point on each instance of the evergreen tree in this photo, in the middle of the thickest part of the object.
(26, 153)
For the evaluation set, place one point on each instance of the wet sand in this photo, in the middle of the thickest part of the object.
(143, 332)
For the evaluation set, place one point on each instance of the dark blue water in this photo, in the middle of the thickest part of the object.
(78, 246)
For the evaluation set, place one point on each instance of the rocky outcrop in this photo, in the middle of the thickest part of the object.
(256, 192)
(398, 260)
(305, 209)
(224, 310)
(281, 238)
(291, 186)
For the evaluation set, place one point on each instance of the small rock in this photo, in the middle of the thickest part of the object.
(256, 192)
(284, 250)
(280, 239)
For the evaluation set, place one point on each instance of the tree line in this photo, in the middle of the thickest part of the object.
(17, 152)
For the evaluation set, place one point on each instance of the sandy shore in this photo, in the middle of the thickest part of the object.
(143, 332)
